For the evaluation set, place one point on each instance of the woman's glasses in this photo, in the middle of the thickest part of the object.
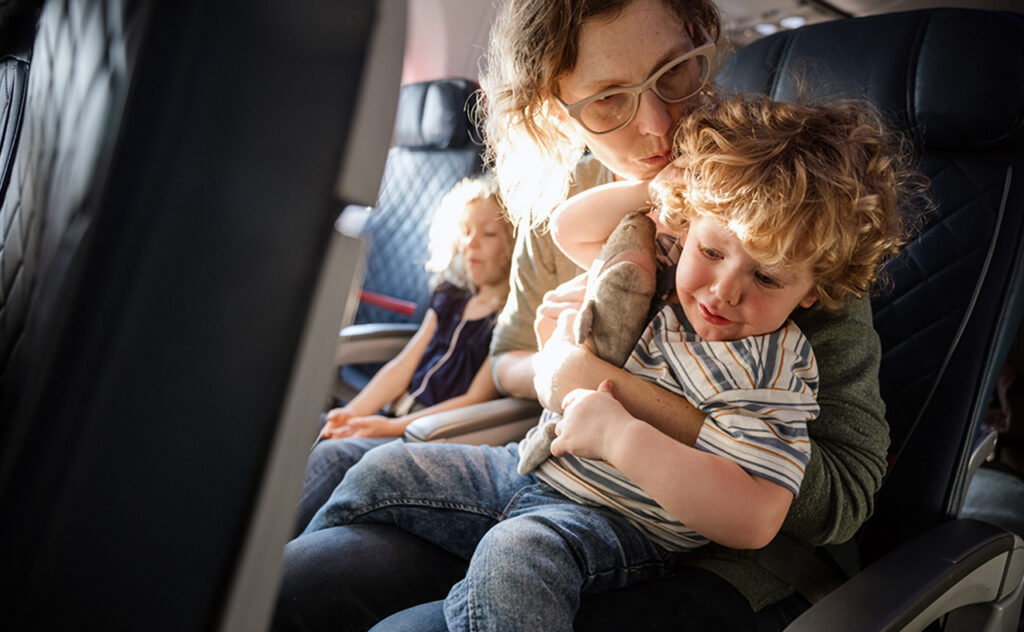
(678, 80)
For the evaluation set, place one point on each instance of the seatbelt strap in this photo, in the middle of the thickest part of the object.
(796, 564)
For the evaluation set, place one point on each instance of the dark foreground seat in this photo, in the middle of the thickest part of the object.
(170, 293)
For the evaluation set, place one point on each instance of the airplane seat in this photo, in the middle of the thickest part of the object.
(953, 79)
(170, 288)
(435, 144)
(17, 32)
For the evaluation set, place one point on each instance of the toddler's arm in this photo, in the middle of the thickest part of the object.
(582, 224)
(720, 499)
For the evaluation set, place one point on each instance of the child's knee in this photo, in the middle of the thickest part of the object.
(524, 540)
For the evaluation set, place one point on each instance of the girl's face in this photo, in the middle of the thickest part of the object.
(726, 294)
(625, 51)
(484, 244)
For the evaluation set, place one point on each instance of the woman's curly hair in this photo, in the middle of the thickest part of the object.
(819, 185)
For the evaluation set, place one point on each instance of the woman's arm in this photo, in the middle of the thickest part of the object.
(537, 267)
(850, 438)
(562, 366)
(582, 224)
(719, 499)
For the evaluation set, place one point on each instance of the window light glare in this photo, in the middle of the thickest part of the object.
(793, 21)
(766, 29)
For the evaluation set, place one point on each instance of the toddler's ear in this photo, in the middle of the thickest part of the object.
(810, 299)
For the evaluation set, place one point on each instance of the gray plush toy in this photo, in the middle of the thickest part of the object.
(620, 286)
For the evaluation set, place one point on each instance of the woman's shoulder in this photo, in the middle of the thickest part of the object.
(589, 172)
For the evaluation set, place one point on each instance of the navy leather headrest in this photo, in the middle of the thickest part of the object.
(953, 78)
(432, 114)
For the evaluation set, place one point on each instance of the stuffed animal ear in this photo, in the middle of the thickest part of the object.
(584, 321)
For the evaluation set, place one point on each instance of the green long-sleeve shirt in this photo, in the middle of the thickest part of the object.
(849, 439)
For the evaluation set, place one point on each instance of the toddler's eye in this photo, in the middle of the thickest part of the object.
(766, 280)
(710, 253)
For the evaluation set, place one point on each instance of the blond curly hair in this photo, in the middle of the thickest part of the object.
(807, 185)
(532, 45)
(445, 262)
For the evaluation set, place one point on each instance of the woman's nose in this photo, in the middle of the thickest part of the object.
(652, 115)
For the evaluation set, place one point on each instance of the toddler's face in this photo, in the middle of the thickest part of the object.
(484, 246)
(726, 294)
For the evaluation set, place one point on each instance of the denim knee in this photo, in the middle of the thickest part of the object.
(326, 466)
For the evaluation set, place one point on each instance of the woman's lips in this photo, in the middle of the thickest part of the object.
(711, 317)
(657, 159)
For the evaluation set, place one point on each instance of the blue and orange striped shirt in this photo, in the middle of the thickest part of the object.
(757, 393)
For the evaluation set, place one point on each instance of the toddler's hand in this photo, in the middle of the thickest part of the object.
(590, 423)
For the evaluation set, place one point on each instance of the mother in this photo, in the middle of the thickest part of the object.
(545, 59)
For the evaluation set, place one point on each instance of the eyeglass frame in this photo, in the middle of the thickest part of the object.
(707, 49)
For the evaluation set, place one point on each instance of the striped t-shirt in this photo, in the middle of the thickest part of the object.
(757, 393)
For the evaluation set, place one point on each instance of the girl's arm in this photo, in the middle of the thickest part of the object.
(719, 499)
(481, 389)
(394, 378)
(581, 224)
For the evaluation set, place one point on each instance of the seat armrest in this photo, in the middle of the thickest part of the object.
(961, 564)
(372, 343)
(495, 422)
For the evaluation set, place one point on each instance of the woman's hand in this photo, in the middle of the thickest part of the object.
(568, 295)
(558, 361)
(591, 422)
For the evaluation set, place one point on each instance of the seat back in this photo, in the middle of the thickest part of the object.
(953, 79)
(435, 145)
(167, 334)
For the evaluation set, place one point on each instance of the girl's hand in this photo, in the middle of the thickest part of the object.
(568, 295)
(591, 422)
(336, 424)
(376, 426)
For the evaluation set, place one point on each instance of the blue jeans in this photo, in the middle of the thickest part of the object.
(531, 551)
(325, 468)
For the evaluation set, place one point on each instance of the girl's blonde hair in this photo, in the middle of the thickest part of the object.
(815, 185)
(533, 44)
(445, 261)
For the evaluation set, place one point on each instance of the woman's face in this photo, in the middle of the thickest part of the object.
(624, 51)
